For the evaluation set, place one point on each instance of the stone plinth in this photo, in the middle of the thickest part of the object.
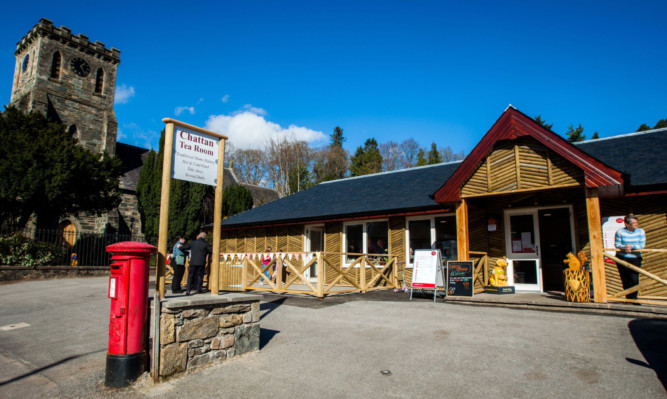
(206, 329)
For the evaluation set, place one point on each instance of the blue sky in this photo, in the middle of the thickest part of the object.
(431, 70)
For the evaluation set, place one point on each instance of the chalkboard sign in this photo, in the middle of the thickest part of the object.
(460, 278)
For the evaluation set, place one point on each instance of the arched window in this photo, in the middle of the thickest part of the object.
(55, 65)
(73, 132)
(99, 81)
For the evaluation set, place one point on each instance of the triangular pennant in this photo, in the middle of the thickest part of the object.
(289, 256)
(242, 256)
(282, 255)
(224, 256)
(297, 256)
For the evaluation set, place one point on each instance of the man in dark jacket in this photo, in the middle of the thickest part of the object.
(199, 251)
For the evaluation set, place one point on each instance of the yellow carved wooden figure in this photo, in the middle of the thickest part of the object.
(499, 274)
(577, 281)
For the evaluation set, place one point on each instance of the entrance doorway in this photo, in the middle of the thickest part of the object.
(314, 243)
(537, 241)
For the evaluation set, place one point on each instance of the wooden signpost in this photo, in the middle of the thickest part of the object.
(427, 271)
(196, 155)
(460, 280)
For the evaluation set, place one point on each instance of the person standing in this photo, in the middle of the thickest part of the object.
(627, 240)
(199, 251)
(178, 265)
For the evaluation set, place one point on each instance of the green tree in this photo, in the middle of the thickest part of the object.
(661, 124)
(366, 159)
(543, 123)
(434, 155)
(236, 199)
(337, 138)
(330, 163)
(596, 136)
(643, 127)
(575, 134)
(421, 158)
(45, 172)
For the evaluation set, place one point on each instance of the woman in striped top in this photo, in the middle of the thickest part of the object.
(627, 240)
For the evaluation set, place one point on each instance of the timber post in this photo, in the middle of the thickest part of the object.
(462, 240)
(595, 240)
(217, 220)
(320, 276)
(163, 228)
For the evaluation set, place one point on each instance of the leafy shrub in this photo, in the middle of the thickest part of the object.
(17, 250)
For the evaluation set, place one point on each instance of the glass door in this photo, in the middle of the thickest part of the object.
(523, 250)
(314, 243)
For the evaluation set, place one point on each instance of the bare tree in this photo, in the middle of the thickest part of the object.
(448, 155)
(391, 155)
(288, 162)
(409, 149)
(249, 165)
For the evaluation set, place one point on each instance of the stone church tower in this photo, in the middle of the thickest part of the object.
(73, 80)
(70, 79)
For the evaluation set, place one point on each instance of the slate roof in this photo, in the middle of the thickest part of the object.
(398, 191)
(641, 156)
(132, 159)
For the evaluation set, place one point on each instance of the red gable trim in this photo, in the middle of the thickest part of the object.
(511, 125)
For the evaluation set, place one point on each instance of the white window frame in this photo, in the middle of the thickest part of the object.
(431, 218)
(364, 237)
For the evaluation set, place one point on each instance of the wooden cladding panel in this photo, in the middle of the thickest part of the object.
(333, 243)
(521, 164)
(478, 183)
(397, 237)
(295, 239)
(281, 239)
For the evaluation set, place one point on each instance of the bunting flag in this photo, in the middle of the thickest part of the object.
(271, 255)
(224, 256)
(242, 256)
(297, 256)
(289, 256)
(282, 255)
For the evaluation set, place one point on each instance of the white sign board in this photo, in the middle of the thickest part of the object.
(426, 262)
(609, 226)
(195, 157)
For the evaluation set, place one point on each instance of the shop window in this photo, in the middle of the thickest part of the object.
(432, 233)
(445, 236)
(366, 238)
(99, 81)
(55, 65)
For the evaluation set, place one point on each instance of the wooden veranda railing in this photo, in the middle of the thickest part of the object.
(311, 273)
(644, 283)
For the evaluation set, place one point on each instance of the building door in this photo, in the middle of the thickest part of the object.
(314, 243)
(523, 250)
(537, 241)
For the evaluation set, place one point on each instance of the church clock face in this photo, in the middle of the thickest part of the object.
(79, 67)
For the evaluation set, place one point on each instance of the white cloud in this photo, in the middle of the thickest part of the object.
(180, 110)
(254, 110)
(123, 94)
(225, 98)
(247, 129)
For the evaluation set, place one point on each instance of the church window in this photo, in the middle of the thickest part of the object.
(55, 65)
(26, 61)
(73, 132)
(99, 81)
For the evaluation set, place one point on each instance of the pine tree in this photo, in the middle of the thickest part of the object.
(575, 134)
(366, 159)
(421, 158)
(543, 123)
(434, 155)
(235, 199)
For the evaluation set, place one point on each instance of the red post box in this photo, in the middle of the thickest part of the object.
(128, 292)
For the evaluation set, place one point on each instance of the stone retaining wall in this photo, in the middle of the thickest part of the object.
(204, 329)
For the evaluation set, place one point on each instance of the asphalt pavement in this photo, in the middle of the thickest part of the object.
(53, 340)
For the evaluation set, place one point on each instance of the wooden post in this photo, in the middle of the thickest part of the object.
(320, 276)
(462, 240)
(362, 274)
(595, 240)
(217, 220)
(163, 229)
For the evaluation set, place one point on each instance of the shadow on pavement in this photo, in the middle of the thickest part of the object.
(650, 338)
(265, 336)
(270, 306)
(48, 366)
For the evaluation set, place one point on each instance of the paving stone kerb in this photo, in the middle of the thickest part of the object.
(206, 329)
